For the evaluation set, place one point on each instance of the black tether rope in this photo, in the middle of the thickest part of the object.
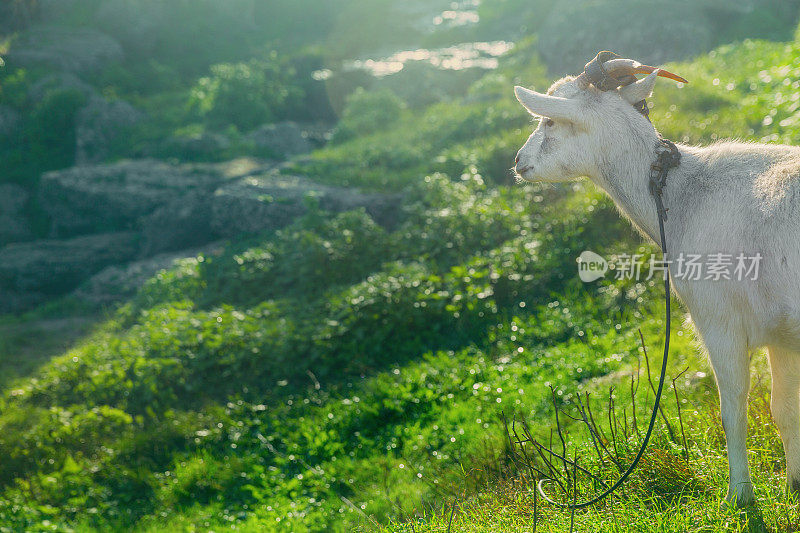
(667, 156)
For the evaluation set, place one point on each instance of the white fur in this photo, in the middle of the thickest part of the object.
(729, 197)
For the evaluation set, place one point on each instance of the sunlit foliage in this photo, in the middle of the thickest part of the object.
(338, 374)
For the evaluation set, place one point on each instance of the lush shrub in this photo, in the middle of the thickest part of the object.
(393, 158)
(45, 139)
(245, 94)
(746, 91)
(367, 112)
(335, 360)
(306, 259)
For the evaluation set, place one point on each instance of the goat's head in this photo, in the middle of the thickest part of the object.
(581, 124)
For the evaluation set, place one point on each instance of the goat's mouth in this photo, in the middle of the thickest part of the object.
(522, 170)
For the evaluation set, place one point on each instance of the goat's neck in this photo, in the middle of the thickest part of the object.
(626, 177)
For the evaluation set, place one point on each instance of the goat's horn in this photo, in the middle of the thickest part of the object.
(616, 67)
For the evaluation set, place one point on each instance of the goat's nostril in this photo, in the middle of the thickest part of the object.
(516, 160)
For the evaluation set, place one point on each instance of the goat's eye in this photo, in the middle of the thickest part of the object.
(549, 122)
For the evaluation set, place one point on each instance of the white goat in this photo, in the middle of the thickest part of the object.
(729, 197)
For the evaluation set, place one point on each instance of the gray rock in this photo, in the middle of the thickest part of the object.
(197, 147)
(138, 25)
(59, 81)
(12, 198)
(97, 198)
(156, 27)
(283, 139)
(318, 134)
(14, 224)
(54, 267)
(119, 282)
(98, 125)
(182, 223)
(9, 121)
(13, 301)
(606, 25)
(271, 201)
(54, 11)
(68, 49)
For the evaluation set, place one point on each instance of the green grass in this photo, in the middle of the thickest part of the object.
(741, 91)
(197, 381)
(339, 376)
(667, 493)
(746, 90)
(31, 339)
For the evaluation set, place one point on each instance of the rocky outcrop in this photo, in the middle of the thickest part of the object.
(89, 199)
(51, 267)
(59, 81)
(282, 140)
(77, 50)
(137, 25)
(271, 201)
(203, 146)
(14, 224)
(9, 121)
(179, 206)
(98, 125)
(134, 215)
(181, 223)
(606, 25)
(118, 282)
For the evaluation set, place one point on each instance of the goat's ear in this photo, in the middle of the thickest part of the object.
(638, 91)
(545, 105)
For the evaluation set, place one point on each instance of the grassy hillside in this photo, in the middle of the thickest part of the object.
(337, 375)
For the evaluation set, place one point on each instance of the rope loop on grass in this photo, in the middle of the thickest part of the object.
(667, 157)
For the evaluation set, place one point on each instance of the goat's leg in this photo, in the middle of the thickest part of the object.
(732, 371)
(785, 405)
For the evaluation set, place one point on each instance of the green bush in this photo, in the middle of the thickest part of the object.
(367, 112)
(266, 384)
(245, 94)
(746, 91)
(312, 256)
(45, 139)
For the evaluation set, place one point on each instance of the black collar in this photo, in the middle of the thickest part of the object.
(667, 157)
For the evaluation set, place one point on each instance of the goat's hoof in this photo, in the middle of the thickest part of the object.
(740, 497)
